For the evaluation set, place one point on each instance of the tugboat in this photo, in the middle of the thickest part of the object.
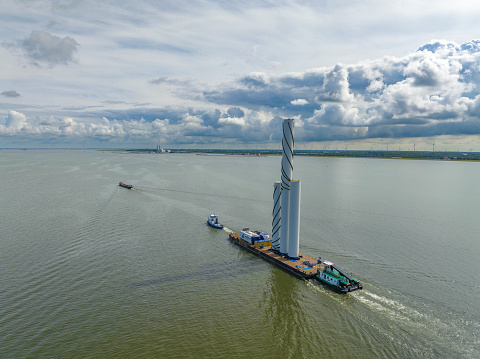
(129, 186)
(213, 221)
(336, 278)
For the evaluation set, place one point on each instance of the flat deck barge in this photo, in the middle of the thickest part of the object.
(296, 267)
(129, 186)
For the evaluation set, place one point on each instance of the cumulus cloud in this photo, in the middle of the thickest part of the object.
(41, 47)
(299, 102)
(183, 126)
(16, 121)
(235, 112)
(10, 93)
(335, 86)
(433, 91)
(336, 114)
(256, 79)
(232, 121)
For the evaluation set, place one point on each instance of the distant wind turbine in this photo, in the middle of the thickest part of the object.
(433, 147)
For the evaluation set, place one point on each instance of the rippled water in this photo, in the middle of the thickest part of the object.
(90, 269)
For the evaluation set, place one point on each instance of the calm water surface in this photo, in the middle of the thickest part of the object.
(92, 270)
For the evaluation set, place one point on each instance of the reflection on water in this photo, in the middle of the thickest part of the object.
(284, 313)
(210, 272)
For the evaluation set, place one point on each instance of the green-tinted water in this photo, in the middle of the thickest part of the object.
(90, 269)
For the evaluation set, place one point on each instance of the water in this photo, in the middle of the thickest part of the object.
(89, 269)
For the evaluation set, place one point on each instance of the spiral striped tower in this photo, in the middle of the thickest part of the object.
(286, 178)
(277, 189)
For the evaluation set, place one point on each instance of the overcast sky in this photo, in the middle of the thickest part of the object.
(213, 74)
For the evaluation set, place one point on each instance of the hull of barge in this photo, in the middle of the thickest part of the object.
(306, 267)
(295, 267)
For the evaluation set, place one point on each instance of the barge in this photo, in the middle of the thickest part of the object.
(263, 249)
(129, 186)
(283, 248)
(306, 267)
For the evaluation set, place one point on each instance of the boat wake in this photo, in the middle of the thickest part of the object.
(398, 309)
(388, 314)
(387, 307)
(436, 329)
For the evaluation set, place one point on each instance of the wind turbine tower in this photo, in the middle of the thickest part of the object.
(288, 215)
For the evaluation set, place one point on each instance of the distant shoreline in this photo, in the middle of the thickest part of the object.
(409, 155)
(420, 155)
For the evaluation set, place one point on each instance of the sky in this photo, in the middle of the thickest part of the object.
(371, 74)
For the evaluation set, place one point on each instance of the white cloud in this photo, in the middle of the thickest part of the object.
(232, 121)
(299, 102)
(335, 114)
(16, 121)
(192, 121)
(429, 69)
(203, 70)
(335, 86)
(375, 85)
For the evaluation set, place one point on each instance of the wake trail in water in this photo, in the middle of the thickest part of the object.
(433, 328)
(392, 309)
(140, 188)
(407, 319)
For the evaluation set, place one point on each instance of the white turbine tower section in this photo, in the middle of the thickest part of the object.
(287, 169)
(294, 225)
(277, 194)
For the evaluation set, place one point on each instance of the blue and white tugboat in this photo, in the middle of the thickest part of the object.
(213, 221)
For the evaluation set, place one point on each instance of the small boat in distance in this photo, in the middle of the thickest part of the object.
(213, 221)
(129, 186)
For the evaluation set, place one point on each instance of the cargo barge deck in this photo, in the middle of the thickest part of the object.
(296, 267)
